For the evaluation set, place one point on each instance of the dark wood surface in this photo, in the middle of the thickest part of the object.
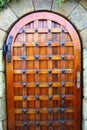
(41, 78)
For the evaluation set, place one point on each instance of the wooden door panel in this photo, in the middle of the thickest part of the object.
(41, 88)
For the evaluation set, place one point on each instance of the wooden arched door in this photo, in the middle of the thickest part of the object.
(43, 66)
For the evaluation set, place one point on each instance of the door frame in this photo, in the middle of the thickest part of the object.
(67, 24)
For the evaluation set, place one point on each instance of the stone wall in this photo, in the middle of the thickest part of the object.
(75, 12)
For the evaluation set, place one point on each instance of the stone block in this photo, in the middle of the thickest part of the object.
(42, 5)
(84, 125)
(2, 84)
(85, 90)
(83, 3)
(2, 63)
(79, 17)
(85, 83)
(2, 38)
(83, 35)
(22, 7)
(2, 108)
(1, 126)
(85, 77)
(7, 19)
(66, 8)
(84, 109)
(4, 125)
(85, 58)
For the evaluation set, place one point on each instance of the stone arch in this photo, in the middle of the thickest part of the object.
(14, 12)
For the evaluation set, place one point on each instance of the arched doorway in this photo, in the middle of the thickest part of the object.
(43, 66)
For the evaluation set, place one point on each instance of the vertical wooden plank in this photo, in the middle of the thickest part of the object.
(37, 91)
(50, 89)
(63, 75)
(77, 91)
(24, 90)
(10, 93)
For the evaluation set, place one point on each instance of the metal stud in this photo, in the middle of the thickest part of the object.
(23, 57)
(37, 111)
(50, 97)
(63, 57)
(62, 43)
(24, 110)
(63, 84)
(23, 71)
(50, 71)
(62, 121)
(37, 71)
(63, 97)
(25, 123)
(23, 44)
(37, 97)
(50, 84)
(50, 110)
(62, 30)
(36, 44)
(23, 30)
(36, 30)
(37, 123)
(50, 56)
(49, 43)
(63, 109)
(50, 123)
(49, 30)
(36, 57)
(63, 71)
(24, 97)
(37, 84)
(24, 84)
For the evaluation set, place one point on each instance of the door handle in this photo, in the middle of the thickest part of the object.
(78, 79)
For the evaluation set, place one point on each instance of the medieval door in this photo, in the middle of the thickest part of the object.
(43, 67)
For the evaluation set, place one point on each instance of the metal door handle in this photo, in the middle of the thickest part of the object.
(78, 79)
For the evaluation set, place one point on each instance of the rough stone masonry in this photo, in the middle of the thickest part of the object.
(75, 12)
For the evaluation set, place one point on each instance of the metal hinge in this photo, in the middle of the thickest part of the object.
(7, 48)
